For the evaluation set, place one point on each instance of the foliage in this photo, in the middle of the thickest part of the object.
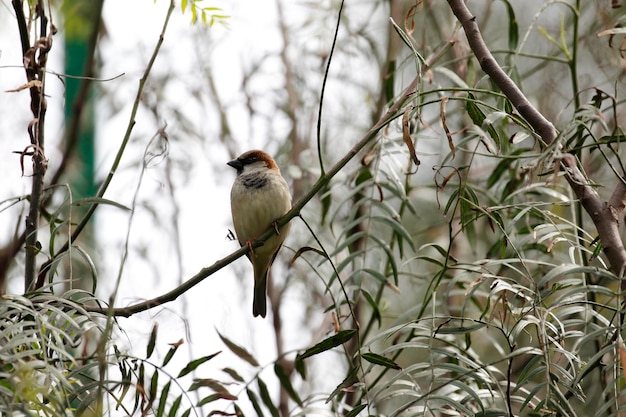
(480, 287)
(208, 15)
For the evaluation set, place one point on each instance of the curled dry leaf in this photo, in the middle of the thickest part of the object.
(406, 135)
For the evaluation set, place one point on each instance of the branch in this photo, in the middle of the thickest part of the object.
(393, 113)
(70, 139)
(172, 295)
(603, 215)
(118, 157)
(34, 59)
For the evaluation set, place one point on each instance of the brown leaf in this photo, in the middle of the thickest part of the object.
(406, 135)
(444, 100)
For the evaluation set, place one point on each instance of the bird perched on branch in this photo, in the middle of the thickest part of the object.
(259, 197)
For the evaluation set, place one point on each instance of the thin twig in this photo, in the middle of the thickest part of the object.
(120, 152)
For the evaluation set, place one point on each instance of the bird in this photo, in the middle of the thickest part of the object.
(259, 197)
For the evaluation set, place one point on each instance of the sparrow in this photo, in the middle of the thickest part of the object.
(260, 196)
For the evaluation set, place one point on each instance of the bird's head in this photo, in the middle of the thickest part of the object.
(253, 161)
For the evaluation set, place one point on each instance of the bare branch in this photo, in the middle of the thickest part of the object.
(34, 59)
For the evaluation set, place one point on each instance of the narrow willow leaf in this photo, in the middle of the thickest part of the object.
(152, 340)
(513, 27)
(238, 411)
(191, 366)
(217, 396)
(286, 383)
(97, 200)
(376, 311)
(474, 112)
(479, 118)
(239, 351)
(233, 374)
(391, 259)
(175, 406)
(154, 386)
(398, 228)
(329, 343)
(300, 367)
(496, 175)
(377, 359)
(267, 399)
(169, 355)
(163, 399)
(209, 383)
(356, 410)
(92, 266)
(348, 382)
(255, 402)
(326, 200)
(140, 386)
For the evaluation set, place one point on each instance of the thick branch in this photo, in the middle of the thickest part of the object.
(491, 67)
(603, 215)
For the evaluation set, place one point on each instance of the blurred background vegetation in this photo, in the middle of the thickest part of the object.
(440, 264)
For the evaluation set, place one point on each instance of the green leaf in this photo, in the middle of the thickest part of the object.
(370, 300)
(300, 367)
(267, 399)
(347, 383)
(154, 385)
(329, 343)
(239, 351)
(238, 411)
(152, 340)
(377, 359)
(233, 374)
(175, 406)
(255, 402)
(170, 354)
(326, 200)
(163, 399)
(213, 384)
(356, 410)
(191, 366)
(217, 396)
(140, 384)
(478, 117)
(513, 27)
(98, 200)
(499, 170)
(286, 383)
(474, 112)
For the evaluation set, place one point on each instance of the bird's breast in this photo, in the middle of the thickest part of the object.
(256, 202)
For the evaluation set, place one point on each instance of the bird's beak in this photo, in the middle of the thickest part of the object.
(235, 163)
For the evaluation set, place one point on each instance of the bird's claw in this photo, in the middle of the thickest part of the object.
(249, 244)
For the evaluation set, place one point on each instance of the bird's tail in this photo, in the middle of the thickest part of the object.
(259, 303)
